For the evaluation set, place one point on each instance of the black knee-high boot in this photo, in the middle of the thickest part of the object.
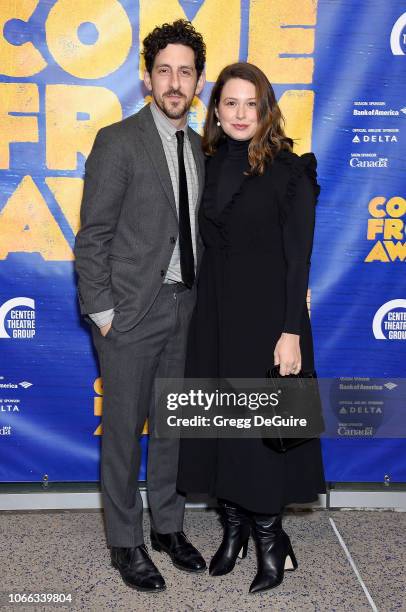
(237, 529)
(274, 550)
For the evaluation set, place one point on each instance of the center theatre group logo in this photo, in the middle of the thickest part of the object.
(386, 227)
(389, 322)
(17, 318)
(398, 36)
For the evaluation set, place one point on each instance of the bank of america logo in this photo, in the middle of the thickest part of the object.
(390, 385)
(25, 384)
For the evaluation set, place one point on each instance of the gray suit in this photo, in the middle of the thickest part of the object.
(129, 227)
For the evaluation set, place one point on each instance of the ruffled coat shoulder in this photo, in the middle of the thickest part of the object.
(297, 166)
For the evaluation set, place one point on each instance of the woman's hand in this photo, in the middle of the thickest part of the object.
(287, 354)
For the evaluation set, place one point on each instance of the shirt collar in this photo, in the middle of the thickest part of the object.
(165, 128)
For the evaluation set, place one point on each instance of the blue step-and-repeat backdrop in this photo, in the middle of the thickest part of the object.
(68, 68)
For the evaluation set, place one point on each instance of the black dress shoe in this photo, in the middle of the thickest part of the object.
(183, 554)
(137, 569)
(236, 532)
(274, 550)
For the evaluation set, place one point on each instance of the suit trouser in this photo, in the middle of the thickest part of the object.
(129, 362)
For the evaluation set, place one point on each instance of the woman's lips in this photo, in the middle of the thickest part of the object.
(239, 126)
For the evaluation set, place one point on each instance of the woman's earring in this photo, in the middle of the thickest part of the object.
(218, 123)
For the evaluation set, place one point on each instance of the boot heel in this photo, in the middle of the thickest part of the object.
(290, 561)
(243, 552)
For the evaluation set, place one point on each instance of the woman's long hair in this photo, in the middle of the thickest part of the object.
(270, 137)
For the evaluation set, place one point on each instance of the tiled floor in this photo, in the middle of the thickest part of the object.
(65, 552)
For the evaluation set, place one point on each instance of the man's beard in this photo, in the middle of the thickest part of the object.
(174, 112)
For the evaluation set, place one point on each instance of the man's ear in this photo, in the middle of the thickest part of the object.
(200, 83)
(147, 80)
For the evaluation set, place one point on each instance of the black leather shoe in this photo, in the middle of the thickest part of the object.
(183, 554)
(274, 550)
(137, 569)
(235, 539)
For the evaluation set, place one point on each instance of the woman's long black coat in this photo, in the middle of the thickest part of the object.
(252, 286)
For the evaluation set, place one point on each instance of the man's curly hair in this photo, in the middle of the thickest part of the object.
(180, 32)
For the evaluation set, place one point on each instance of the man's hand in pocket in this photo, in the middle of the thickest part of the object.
(105, 329)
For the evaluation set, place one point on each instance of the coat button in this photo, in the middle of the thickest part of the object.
(172, 239)
(162, 272)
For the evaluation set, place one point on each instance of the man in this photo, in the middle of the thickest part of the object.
(137, 254)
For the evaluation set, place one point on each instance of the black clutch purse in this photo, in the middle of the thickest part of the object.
(295, 391)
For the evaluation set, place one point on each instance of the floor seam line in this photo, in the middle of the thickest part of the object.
(354, 567)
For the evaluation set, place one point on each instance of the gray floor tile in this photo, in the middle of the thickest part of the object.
(377, 543)
(66, 551)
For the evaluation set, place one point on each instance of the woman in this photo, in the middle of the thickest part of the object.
(256, 220)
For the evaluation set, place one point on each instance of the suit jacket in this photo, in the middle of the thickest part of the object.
(129, 222)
